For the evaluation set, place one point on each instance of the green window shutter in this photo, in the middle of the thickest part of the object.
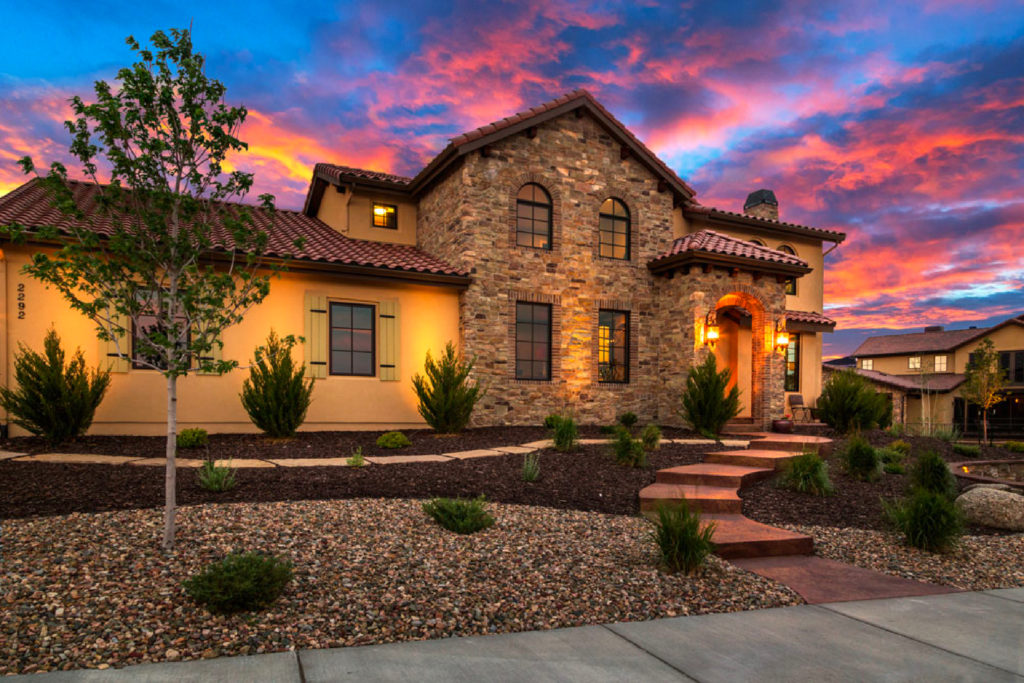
(215, 354)
(387, 340)
(316, 335)
(115, 355)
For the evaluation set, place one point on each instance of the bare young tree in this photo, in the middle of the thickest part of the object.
(165, 263)
(985, 382)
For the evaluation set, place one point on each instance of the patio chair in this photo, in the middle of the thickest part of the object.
(801, 411)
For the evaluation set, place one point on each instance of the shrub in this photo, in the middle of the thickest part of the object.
(216, 478)
(931, 473)
(894, 468)
(356, 459)
(896, 430)
(241, 582)
(53, 400)
(966, 450)
(531, 467)
(609, 429)
(860, 458)
(551, 420)
(628, 420)
(446, 399)
(393, 440)
(901, 446)
(650, 437)
(566, 435)
(460, 515)
(276, 394)
(947, 434)
(682, 543)
(193, 438)
(628, 451)
(706, 405)
(928, 520)
(889, 455)
(1014, 446)
(848, 403)
(807, 473)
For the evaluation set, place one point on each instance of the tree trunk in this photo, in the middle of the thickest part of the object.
(984, 426)
(170, 479)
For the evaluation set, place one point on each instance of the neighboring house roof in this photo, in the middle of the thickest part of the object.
(745, 220)
(31, 206)
(710, 246)
(926, 342)
(940, 383)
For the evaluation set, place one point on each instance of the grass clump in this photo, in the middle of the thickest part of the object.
(446, 398)
(968, 451)
(807, 473)
(947, 434)
(706, 404)
(629, 452)
(897, 430)
(193, 438)
(215, 478)
(277, 394)
(628, 419)
(531, 467)
(931, 473)
(1014, 446)
(393, 440)
(357, 459)
(901, 446)
(860, 459)
(894, 468)
(241, 582)
(928, 520)
(650, 437)
(682, 544)
(461, 515)
(564, 432)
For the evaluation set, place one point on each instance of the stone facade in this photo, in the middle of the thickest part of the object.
(468, 218)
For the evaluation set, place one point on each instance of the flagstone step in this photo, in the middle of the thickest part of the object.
(736, 536)
(705, 499)
(712, 474)
(792, 442)
(759, 457)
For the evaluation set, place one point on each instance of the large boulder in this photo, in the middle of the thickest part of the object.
(993, 508)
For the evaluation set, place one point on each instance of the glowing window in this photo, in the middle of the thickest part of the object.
(914, 363)
(867, 364)
(613, 346)
(940, 363)
(385, 216)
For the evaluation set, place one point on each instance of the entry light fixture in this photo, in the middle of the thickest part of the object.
(781, 335)
(711, 331)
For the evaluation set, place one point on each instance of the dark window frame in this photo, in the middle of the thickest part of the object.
(792, 378)
(790, 282)
(533, 204)
(533, 342)
(390, 220)
(627, 220)
(604, 368)
(373, 339)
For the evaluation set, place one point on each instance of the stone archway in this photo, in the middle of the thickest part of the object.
(759, 349)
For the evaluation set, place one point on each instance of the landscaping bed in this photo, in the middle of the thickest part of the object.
(94, 590)
(587, 479)
(307, 444)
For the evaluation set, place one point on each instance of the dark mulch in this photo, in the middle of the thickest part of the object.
(855, 503)
(588, 479)
(306, 444)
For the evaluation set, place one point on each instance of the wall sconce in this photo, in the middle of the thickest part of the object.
(711, 331)
(781, 335)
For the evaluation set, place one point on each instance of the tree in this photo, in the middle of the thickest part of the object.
(984, 382)
(707, 407)
(165, 254)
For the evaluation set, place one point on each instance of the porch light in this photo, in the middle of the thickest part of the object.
(781, 335)
(711, 332)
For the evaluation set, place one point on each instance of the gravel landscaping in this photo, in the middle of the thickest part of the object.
(587, 479)
(978, 563)
(93, 590)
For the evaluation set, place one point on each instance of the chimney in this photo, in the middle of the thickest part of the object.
(934, 328)
(762, 204)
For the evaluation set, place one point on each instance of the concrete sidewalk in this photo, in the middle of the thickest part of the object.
(963, 636)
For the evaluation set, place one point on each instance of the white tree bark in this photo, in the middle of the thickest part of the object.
(170, 479)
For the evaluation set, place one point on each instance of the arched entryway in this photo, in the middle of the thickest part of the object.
(741, 347)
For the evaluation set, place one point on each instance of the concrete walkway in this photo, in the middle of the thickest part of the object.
(964, 636)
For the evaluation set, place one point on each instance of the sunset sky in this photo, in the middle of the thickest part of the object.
(900, 124)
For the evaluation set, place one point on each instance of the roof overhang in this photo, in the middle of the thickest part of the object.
(671, 264)
(734, 220)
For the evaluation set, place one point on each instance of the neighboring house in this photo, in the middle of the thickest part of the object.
(923, 371)
(575, 267)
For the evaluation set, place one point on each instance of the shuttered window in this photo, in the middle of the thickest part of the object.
(316, 335)
(352, 339)
(387, 340)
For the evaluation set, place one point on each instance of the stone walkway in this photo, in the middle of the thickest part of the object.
(249, 463)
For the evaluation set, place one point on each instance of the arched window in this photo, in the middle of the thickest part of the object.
(791, 282)
(533, 217)
(758, 243)
(614, 229)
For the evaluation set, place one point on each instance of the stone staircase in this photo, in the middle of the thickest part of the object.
(712, 488)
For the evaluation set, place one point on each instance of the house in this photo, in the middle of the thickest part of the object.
(923, 372)
(575, 266)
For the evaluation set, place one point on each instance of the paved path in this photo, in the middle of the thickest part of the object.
(964, 637)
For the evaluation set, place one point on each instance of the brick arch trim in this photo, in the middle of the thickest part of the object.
(512, 188)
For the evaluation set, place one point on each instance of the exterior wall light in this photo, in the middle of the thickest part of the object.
(711, 331)
(781, 336)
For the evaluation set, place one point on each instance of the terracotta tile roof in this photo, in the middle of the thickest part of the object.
(940, 382)
(831, 235)
(809, 317)
(336, 173)
(711, 242)
(30, 206)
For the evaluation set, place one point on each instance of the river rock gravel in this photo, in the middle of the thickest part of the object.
(92, 590)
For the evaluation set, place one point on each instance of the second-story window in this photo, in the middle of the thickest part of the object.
(614, 228)
(940, 363)
(791, 282)
(385, 216)
(914, 363)
(533, 217)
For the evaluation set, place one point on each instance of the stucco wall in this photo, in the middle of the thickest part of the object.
(350, 214)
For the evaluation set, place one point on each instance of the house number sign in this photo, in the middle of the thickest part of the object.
(21, 301)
